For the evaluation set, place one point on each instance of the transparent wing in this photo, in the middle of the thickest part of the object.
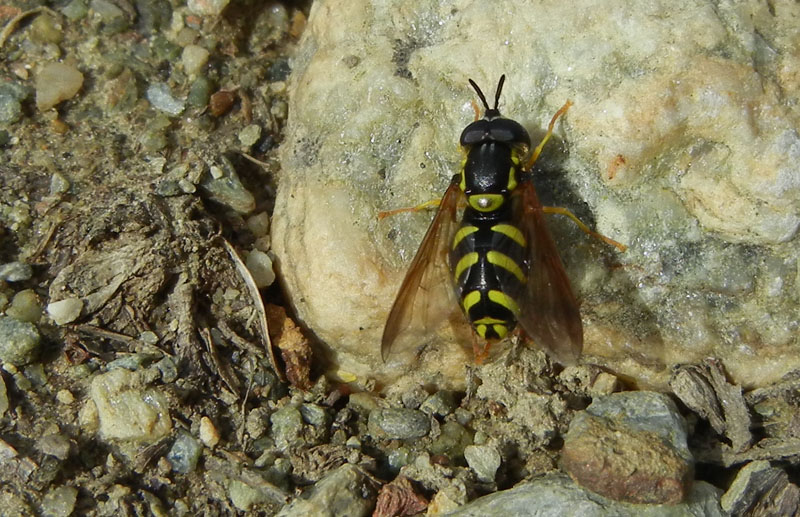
(426, 297)
(548, 310)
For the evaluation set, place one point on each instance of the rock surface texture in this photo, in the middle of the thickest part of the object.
(681, 143)
(630, 447)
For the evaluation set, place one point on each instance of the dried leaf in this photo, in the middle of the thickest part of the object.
(258, 304)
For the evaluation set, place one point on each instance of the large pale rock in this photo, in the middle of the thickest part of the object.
(681, 143)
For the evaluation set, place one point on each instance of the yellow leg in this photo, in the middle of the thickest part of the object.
(564, 211)
(538, 150)
(418, 208)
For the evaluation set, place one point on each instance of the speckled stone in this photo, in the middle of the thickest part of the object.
(15, 271)
(345, 491)
(548, 496)
(56, 82)
(681, 143)
(19, 341)
(128, 410)
(452, 440)
(287, 424)
(630, 447)
(484, 460)
(441, 403)
(398, 423)
(59, 501)
(185, 453)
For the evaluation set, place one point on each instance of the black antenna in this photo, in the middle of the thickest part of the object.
(497, 92)
(480, 93)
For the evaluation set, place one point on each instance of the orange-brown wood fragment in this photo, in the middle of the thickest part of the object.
(295, 348)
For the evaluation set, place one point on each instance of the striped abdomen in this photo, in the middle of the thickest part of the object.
(487, 263)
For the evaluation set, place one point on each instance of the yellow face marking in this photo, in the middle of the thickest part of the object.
(481, 330)
(464, 263)
(504, 261)
(463, 232)
(505, 300)
(500, 330)
(471, 299)
(512, 232)
(486, 202)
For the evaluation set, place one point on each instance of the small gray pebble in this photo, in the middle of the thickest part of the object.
(441, 403)
(287, 427)
(19, 341)
(315, 415)
(399, 458)
(185, 453)
(484, 460)
(414, 397)
(160, 96)
(399, 423)
(15, 271)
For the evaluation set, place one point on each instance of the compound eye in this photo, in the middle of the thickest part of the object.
(510, 132)
(475, 133)
(502, 134)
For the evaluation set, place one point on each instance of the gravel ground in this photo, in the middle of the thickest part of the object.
(148, 363)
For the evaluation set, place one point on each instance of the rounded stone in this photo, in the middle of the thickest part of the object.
(65, 311)
(260, 266)
(194, 58)
(209, 434)
(630, 447)
(659, 152)
(25, 306)
(398, 423)
(19, 341)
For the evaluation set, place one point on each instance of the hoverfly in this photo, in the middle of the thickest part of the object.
(488, 250)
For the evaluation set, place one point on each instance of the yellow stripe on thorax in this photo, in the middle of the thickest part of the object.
(463, 183)
(512, 173)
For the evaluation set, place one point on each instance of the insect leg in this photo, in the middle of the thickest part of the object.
(476, 109)
(480, 348)
(418, 208)
(538, 150)
(583, 227)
